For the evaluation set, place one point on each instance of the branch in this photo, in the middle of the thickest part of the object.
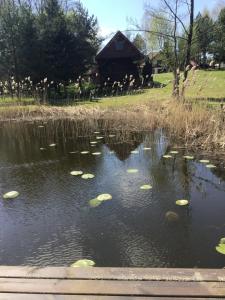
(157, 33)
(176, 16)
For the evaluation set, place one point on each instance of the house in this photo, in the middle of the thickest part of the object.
(119, 59)
(157, 62)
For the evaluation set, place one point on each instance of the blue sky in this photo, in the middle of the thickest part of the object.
(112, 14)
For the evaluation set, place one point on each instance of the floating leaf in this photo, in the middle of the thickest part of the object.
(182, 202)
(83, 263)
(96, 153)
(95, 202)
(99, 137)
(112, 135)
(96, 132)
(132, 171)
(111, 152)
(41, 126)
(146, 187)
(104, 197)
(94, 142)
(146, 148)
(42, 149)
(221, 248)
(222, 240)
(11, 195)
(167, 156)
(84, 152)
(134, 152)
(88, 176)
(52, 145)
(171, 216)
(76, 173)
(210, 166)
(204, 161)
(188, 157)
(174, 152)
(72, 152)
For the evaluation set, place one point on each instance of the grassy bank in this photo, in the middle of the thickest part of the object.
(194, 123)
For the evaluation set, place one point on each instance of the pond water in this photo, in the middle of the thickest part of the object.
(52, 223)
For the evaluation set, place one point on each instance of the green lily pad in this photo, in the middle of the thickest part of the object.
(146, 187)
(84, 152)
(188, 157)
(52, 145)
(210, 166)
(96, 132)
(146, 148)
(171, 216)
(222, 240)
(96, 153)
(94, 142)
(174, 152)
(167, 156)
(112, 135)
(182, 202)
(11, 195)
(134, 152)
(99, 137)
(83, 263)
(221, 248)
(104, 197)
(88, 176)
(132, 171)
(76, 173)
(95, 202)
(204, 161)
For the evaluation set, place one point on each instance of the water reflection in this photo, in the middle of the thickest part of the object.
(51, 222)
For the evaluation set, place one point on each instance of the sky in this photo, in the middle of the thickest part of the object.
(112, 14)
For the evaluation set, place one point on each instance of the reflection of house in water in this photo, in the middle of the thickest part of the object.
(119, 58)
(123, 149)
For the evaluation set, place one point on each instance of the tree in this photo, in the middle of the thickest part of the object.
(140, 43)
(218, 47)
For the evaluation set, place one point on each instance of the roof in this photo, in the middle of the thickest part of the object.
(119, 47)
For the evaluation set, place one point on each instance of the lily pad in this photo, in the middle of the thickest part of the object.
(95, 202)
(104, 197)
(11, 195)
(96, 132)
(222, 240)
(42, 149)
(72, 152)
(111, 152)
(221, 248)
(204, 161)
(94, 142)
(84, 152)
(76, 173)
(188, 157)
(83, 263)
(99, 137)
(210, 166)
(41, 126)
(96, 153)
(167, 156)
(132, 171)
(52, 145)
(174, 152)
(88, 176)
(146, 148)
(134, 152)
(146, 187)
(112, 135)
(171, 216)
(182, 202)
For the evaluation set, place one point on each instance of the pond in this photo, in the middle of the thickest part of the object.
(51, 222)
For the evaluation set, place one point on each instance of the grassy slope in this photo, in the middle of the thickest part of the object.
(204, 84)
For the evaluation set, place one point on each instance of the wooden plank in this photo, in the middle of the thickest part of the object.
(79, 297)
(113, 287)
(9, 296)
(114, 273)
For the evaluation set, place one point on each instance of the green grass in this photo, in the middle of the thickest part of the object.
(204, 84)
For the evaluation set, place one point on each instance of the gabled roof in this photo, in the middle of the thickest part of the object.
(120, 47)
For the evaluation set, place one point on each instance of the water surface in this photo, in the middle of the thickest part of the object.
(51, 222)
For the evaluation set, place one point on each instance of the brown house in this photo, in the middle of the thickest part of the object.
(118, 59)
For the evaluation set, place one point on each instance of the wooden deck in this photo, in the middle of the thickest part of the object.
(30, 283)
